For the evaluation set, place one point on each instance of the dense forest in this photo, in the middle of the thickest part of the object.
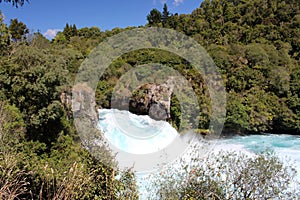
(256, 48)
(255, 44)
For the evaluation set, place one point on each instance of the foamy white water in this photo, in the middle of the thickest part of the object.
(286, 147)
(141, 135)
(135, 134)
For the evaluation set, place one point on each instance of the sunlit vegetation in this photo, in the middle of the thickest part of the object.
(254, 43)
(225, 175)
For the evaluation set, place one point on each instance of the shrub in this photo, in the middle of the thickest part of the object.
(225, 175)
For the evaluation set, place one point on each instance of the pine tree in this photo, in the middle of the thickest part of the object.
(154, 18)
(165, 14)
(74, 30)
(18, 30)
(67, 31)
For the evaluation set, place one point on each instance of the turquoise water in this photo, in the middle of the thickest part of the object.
(286, 147)
(261, 143)
(143, 135)
(135, 134)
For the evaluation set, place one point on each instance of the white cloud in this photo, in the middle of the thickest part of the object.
(161, 1)
(177, 2)
(51, 33)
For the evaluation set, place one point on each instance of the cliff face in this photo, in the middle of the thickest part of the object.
(83, 103)
(149, 99)
(153, 100)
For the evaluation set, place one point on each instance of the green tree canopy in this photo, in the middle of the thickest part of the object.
(154, 17)
(4, 37)
(18, 30)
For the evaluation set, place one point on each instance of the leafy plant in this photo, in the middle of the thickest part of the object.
(225, 175)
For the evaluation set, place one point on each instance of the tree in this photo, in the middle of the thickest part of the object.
(165, 14)
(154, 18)
(39, 41)
(18, 30)
(16, 3)
(74, 30)
(67, 31)
(32, 83)
(12, 127)
(70, 31)
(92, 32)
(4, 37)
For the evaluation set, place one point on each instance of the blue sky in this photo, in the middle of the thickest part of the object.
(50, 16)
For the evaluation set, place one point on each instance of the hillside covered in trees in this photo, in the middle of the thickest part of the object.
(255, 44)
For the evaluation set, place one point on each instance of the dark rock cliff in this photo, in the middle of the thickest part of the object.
(153, 100)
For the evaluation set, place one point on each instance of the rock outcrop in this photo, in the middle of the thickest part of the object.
(153, 100)
(83, 103)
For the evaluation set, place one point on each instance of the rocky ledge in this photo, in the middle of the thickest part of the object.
(152, 99)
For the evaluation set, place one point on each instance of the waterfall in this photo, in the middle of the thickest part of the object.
(142, 135)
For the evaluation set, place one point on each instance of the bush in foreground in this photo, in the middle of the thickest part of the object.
(226, 175)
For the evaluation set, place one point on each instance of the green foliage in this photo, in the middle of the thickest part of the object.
(4, 37)
(68, 172)
(92, 32)
(18, 30)
(32, 83)
(70, 31)
(39, 41)
(254, 43)
(175, 112)
(60, 38)
(154, 17)
(165, 14)
(12, 127)
(252, 112)
(122, 65)
(258, 79)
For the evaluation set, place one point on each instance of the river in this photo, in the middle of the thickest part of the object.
(142, 135)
